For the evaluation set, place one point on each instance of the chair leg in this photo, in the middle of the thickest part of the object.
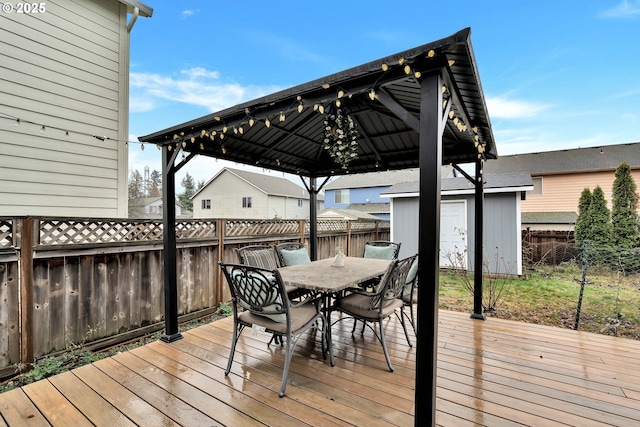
(287, 362)
(404, 325)
(237, 330)
(413, 322)
(384, 347)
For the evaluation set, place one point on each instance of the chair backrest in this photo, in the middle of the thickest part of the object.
(258, 290)
(257, 256)
(411, 282)
(291, 253)
(392, 283)
(382, 249)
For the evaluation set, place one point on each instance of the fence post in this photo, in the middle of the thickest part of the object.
(26, 290)
(301, 227)
(219, 279)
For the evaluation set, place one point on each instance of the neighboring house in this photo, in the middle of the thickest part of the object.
(64, 108)
(559, 177)
(362, 191)
(149, 207)
(502, 235)
(235, 193)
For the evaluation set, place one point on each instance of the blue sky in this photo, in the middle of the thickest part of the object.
(556, 74)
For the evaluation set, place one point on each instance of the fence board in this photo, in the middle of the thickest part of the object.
(56, 304)
(9, 314)
(94, 279)
(72, 300)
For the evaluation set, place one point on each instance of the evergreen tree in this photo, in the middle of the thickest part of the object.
(600, 231)
(136, 185)
(156, 184)
(184, 198)
(624, 217)
(583, 223)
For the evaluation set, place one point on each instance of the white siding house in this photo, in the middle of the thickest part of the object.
(64, 80)
(235, 193)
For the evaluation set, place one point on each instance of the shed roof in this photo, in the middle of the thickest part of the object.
(493, 183)
(284, 131)
(575, 160)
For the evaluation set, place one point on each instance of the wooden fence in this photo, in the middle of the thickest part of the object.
(547, 247)
(76, 281)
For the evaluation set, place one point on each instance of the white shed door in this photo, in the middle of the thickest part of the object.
(453, 233)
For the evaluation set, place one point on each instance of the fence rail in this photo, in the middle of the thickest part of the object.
(67, 281)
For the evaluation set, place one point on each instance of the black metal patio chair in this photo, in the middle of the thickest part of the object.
(259, 298)
(378, 305)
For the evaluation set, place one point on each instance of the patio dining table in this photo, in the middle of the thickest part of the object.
(320, 276)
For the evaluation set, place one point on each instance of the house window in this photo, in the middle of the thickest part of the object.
(206, 203)
(341, 197)
(300, 203)
(537, 186)
(246, 202)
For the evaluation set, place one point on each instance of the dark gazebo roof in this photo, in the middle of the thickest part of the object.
(388, 123)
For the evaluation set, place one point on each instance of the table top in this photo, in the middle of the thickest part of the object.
(321, 276)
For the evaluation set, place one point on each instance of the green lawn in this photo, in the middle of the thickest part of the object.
(548, 296)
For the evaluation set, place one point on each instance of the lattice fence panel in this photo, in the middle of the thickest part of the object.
(236, 228)
(332, 225)
(196, 229)
(83, 231)
(6, 233)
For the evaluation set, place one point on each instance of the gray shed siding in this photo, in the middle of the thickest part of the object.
(501, 229)
(404, 224)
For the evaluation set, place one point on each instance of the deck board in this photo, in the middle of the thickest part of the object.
(493, 373)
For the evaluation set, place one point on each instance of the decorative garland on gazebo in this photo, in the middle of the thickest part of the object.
(340, 137)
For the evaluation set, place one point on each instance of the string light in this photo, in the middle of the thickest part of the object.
(66, 133)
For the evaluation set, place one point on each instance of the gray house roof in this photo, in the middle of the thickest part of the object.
(380, 179)
(350, 214)
(607, 157)
(494, 183)
(268, 184)
(371, 207)
(549, 217)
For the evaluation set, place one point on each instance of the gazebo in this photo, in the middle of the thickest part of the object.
(423, 107)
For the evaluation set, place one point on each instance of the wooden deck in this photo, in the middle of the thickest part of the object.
(493, 373)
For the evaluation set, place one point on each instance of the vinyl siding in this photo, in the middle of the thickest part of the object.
(66, 68)
(356, 195)
(226, 193)
(562, 192)
(501, 228)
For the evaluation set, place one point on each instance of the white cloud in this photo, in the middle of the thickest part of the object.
(626, 9)
(188, 13)
(195, 86)
(501, 107)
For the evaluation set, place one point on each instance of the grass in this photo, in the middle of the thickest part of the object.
(550, 296)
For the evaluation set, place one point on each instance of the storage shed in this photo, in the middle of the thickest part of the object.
(502, 220)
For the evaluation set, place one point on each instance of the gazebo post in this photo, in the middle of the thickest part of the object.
(313, 219)
(430, 160)
(169, 241)
(479, 242)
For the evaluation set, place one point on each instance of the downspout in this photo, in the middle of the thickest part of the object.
(134, 17)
